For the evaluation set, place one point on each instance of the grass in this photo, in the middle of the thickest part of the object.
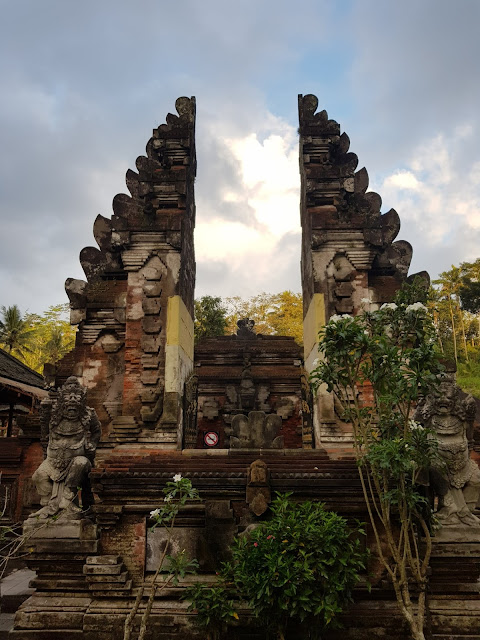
(468, 377)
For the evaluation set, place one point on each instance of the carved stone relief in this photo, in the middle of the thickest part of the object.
(258, 431)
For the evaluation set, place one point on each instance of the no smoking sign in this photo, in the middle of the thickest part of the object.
(210, 438)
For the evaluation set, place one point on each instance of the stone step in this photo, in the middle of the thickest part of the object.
(111, 586)
(51, 634)
(122, 577)
(59, 584)
(437, 636)
(104, 560)
(6, 623)
(64, 546)
(102, 570)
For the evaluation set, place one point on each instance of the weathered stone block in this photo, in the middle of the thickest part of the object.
(192, 540)
(48, 620)
(151, 306)
(152, 324)
(150, 395)
(103, 560)
(150, 376)
(102, 569)
(152, 289)
(219, 510)
(150, 344)
(97, 578)
(64, 546)
(258, 431)
(150, 361)
(343, 305)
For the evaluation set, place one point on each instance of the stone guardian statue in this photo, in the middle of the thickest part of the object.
(71, 432)
(456, 477)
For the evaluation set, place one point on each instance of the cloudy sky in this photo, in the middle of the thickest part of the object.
(84, 83)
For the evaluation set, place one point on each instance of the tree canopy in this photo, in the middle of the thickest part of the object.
(273, 314)
(454, 302)
(210, 317)
(36, 339)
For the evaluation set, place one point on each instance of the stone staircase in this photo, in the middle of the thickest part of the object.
(107, 576)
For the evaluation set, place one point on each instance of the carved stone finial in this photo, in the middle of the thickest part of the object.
(258, 487)
(71, 431)
(245, 328)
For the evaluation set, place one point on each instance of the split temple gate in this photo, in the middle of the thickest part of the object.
(211, 413)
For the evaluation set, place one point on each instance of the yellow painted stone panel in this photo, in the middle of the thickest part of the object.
(179, 325)
(313, 322)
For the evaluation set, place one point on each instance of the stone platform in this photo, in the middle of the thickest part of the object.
(89, 575)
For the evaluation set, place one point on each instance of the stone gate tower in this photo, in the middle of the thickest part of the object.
(348, 248)
(134, 346)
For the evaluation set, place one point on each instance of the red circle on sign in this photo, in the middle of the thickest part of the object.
(211, 438)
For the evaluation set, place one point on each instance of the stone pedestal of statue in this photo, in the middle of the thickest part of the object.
(458, 533)
(57, 551)
(454, 598)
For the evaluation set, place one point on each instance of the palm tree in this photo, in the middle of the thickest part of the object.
(15, 332)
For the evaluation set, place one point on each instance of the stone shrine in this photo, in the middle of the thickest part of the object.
(235, 415)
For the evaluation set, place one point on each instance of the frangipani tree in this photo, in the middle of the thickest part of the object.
(392, 350)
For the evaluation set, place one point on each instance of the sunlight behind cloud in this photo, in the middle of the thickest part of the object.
(248, 212)
(270, 177)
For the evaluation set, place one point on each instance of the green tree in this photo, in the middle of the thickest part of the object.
(449, 288)
(393, 351)
(210, 317)
(470, 286)
(16, 332)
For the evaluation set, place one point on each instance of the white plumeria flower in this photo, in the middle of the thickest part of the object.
(154, 513)
(337, 318)
(177, 477)
(315, 363)
(415, 426)
(168, 497)
(366, 301)
(389, 306)
(416, 306)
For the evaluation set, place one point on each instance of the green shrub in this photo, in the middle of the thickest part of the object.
(301, 565)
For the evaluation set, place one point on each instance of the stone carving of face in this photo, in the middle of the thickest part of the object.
(445, 397)
(72, 407)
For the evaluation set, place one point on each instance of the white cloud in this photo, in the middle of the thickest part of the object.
(218, 240)
(438, 202)
(403, 180)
